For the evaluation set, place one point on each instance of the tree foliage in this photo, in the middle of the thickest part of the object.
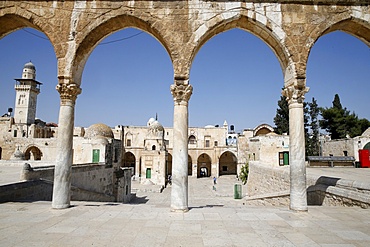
(340, 122)
(244, 171)
(281, 119)
(312, 130)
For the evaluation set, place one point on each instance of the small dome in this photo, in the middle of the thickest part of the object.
(29, 65)
(99, 130)
(150, 121)
(156, 126)
(18, 155)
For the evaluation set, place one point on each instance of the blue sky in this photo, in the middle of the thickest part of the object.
(235, 77)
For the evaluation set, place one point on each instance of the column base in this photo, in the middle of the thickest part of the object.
(179, 210)
(302, 209)
(62, 206)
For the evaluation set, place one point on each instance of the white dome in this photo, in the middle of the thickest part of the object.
(150, 121)
(156, 126)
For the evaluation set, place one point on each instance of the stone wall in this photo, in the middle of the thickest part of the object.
(42, 190)
(263, 179)
(91, 178)
(37, 190)
(271, 186)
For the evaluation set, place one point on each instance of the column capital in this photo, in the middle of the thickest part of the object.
(181, 91)
(68, 92)
(295, 94)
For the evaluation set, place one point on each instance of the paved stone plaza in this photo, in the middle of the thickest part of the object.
(214, 219)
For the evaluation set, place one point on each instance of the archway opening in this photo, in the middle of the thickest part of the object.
(135, 70)
(169, 164)
(367, 146)
(229, 73)
(204, 166)
(339, 63)
(17, 49)
(33, 153)
(228, 164)
(129, 160)
(190, 166)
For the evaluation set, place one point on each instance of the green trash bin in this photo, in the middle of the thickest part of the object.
(237, 191)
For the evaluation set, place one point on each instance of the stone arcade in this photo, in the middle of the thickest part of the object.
(101, 154)
(290, 28)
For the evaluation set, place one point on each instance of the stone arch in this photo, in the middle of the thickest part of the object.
(32, 153)
(192, 139)
(204, 165)
(129, 160)
(228, 164)
(99, 30)
(128, 140)
(190, 166)
(353, 26)
(262, 129)
(169, 164)
(10, 22)
(251, 25)
(367, 146)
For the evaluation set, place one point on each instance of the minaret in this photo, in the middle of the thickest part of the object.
(27, 89)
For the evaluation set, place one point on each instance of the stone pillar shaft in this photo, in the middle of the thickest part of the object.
(63, 167)
(298, 193)
(181, 92)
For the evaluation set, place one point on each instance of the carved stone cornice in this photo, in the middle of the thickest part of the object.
(295, 94)
(68, 92)
(181, 91)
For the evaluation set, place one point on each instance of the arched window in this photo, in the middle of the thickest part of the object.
(192, 140)
(153, 147)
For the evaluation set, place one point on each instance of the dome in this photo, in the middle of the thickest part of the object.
(99, 130)
(18, 155)
(29, 65)
(150, 121)
(156, 126)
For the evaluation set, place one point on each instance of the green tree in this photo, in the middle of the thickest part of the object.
(244, 171)
(340, 123)
(281, 119)
(312, 141)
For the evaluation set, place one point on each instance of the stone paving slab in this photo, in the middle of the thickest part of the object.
(103, 224)
(211, 221)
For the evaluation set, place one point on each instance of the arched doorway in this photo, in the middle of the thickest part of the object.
(169, 164)
(204, 166)
(367, 146)
(228, 164)
(33, 153)
(190, 166)
(129, 160)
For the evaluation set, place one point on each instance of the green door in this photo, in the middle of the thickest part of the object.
(96, 154)
(148, 173)
(286, 158)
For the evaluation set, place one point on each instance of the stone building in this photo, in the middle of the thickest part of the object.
(24, 131)
(147, 150)
(346, 147)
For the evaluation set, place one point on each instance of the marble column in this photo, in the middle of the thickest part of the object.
(63, 167)
(298, 193)
(181, 92)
